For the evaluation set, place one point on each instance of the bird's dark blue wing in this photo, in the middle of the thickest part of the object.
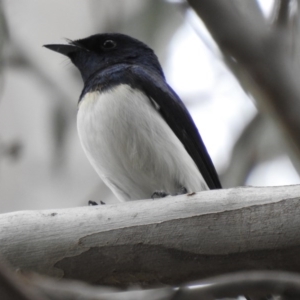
(168, 104)
(178, 118)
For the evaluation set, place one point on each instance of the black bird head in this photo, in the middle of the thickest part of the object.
(100, 51)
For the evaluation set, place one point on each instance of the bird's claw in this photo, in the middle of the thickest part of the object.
(93, 203)
(159, 194)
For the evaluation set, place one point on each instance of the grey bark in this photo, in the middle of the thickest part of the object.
(167, 241)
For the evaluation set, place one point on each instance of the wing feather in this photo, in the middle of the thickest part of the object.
(180, 121)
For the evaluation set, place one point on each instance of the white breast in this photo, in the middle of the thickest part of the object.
(131, 147)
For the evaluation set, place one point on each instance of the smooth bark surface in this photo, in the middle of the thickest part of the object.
(168, 241)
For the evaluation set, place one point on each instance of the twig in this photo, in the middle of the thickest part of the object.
(281, 13)
(244, 283)
(11, 288)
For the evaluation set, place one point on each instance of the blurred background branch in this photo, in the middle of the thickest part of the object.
(256, 285)
(253, 285)
(11, 288)
(262, 55)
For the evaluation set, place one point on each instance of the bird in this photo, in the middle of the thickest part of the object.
(134, 129)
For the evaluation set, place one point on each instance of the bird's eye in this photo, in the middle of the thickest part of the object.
(109, 44)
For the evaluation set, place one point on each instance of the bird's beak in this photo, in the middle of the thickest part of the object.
(63, 49)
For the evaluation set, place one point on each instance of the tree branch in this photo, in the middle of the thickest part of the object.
(272, 75)
(165, 241)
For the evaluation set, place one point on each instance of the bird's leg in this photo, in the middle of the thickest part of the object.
(159, 194)
(92, 203)
(182, 191)
(163, 194)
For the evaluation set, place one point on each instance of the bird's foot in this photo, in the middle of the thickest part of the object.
(163, 194)
(159, 194)
(182, 191)
(92, 203)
